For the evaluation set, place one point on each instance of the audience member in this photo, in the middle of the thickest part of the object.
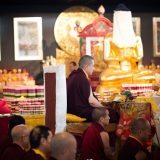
(72, 68)
(95, 144)
(7, 140)
(80, 99)
(133, 147)
(63, 147)
(16, 150)
(40, 141)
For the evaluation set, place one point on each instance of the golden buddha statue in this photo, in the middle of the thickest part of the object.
(123, 52)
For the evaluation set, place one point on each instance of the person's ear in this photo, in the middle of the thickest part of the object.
(43, 140)
(85, 66)
(64, 151)
(22, 138)
(101, 119)
(139, 131)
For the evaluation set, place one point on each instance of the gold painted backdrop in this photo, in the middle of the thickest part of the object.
(67, 36)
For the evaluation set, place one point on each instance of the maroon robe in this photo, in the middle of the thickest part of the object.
(31, 155)
(4, 143)
(78, 92)
(92, 145)
(71, 73)
(156, 154)
(130, 148)
(51, 158)
(13, 152)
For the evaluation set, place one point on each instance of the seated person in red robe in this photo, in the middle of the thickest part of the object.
(40, 141)
(80, 99)
(7, 140)
(72, 68)
(95, 144)
(63, 146)
(20, 137)
(133, 147)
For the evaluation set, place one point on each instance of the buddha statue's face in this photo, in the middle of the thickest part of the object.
(126, 65)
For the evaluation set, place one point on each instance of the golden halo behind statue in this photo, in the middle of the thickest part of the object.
(64, 30)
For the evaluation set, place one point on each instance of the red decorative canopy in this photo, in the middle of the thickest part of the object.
(99, 28)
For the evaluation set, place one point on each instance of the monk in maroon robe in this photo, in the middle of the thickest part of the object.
(95, 144)
(80, 99)
(4, 143)
(6, 140)
(31, 155)
(78, 91)
(40, 141)
(131, 147)
(16, 150)
(140, 131)
(13, 152)
(72, 68)
(63, 146)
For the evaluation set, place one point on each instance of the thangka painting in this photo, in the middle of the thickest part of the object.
(156, 36)
(28, 38)
(129, 111)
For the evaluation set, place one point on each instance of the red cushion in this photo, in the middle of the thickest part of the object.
(2, 103)
(4, 107)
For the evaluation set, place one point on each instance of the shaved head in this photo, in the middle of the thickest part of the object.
(20, 135)
(139, 124)
(85, 60)
(63, 145)
(141, 128)
(19, 131)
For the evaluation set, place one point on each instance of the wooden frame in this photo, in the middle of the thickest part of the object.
(137, 25)
(28, 38)
(156, 36)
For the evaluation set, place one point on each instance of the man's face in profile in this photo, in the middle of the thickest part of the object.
(90, 68)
